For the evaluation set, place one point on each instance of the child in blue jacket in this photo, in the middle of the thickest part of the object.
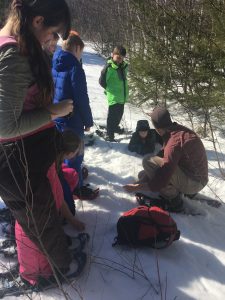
(70, 83)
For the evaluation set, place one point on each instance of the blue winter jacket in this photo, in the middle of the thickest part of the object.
(70, 83)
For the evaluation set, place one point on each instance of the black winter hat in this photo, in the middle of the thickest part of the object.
(142, 125)
(160, 117)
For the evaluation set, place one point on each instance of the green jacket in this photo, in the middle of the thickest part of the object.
(116, 86)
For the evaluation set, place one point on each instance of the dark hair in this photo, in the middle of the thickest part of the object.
(72, 42)
(160, 117)
(120, 50)
(55, 36)
(55, 13)
(70, 142)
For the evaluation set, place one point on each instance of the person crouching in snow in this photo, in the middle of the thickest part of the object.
(34, 264)
(143, 140)
(183, 167)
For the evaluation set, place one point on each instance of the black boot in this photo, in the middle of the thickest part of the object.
(173, 205)
(119, 130)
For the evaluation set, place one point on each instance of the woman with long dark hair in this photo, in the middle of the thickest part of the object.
(29, 142)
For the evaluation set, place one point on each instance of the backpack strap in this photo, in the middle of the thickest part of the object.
(102, 78)
(173, 236)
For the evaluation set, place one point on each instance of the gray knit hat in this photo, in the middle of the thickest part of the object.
(160, 117)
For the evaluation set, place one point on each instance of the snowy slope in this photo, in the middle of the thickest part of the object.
(191, 268)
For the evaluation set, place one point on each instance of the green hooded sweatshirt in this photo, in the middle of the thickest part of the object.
(116, 83)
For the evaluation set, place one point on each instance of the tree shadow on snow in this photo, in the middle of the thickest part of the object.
(91, 59)
(186, 263)
(211, 155)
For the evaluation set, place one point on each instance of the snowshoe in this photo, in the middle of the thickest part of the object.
(79, 242)
(11, 272)
(11, 284)
(104, 135)
(111, 139)
(100, 133)
(8, 248)
(171, 205)
(86, 193)
(204, 199)
(9, 252)
(7, 244)
(81, 260)
(89, 140)
(148, 201)
(8, 230)
(103, 127)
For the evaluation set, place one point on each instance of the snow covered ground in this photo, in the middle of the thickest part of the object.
(191, 268)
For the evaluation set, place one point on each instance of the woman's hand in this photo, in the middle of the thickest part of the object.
(61, 109)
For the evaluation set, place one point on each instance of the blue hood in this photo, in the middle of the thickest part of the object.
(63, 61)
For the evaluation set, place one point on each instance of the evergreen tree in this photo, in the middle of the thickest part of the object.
(182, 57)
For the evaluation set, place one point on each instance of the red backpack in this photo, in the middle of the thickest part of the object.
(146, 226)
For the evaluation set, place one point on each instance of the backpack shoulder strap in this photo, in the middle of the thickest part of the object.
(102, 78)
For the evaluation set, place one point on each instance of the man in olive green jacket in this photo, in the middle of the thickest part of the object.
(114, 80)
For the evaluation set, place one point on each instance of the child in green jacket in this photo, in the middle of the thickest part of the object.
(114, 80)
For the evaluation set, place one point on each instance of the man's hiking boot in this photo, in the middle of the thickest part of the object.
(174, 204)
